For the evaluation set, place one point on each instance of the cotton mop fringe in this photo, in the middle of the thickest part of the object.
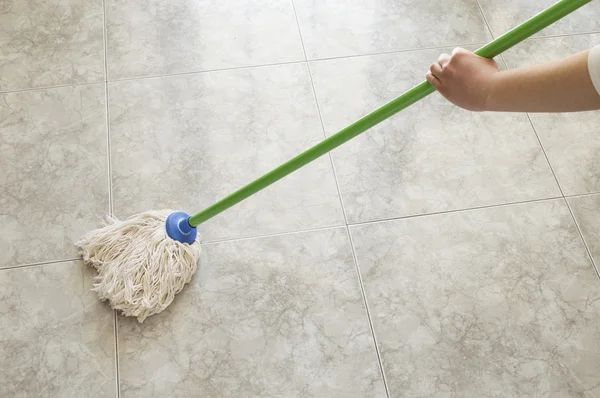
(140, 268)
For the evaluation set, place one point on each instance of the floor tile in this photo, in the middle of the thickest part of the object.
(503, 15)
(430, 157)
(499, 302)
(152, 37)
(280, 316)
(50, 43)
(569, 139)
(53, 171)
(56, 339)
(331, 28)
(586, 210)
(187, 141)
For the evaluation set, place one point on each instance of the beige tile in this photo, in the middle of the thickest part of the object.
(499, 302)
(152, 37)
(503, 15)
(187, 141)
(430, 157)
(56, 339)
(332, 28)
(53, 171)
(569, 139)
(272, 317)
(50, 43)
(586, 210)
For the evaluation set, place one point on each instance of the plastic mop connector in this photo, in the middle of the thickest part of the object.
(179, 229)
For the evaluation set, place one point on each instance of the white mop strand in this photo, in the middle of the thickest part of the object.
(140, 268)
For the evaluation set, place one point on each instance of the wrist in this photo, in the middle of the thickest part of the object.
(493, 87)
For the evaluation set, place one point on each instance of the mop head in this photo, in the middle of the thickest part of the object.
(140, 268)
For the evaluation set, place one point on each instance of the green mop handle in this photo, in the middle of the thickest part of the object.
(490, 50)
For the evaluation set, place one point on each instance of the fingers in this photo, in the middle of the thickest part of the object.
(460, 50)
(436, 69)
(443, 59)
(433, 81)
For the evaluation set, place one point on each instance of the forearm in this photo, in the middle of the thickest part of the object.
(560, 86)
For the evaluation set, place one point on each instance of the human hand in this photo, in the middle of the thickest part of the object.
(465, 79)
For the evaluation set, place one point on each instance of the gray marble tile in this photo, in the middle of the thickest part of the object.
(187, 141)
(503, 15)
(53, 171)
(586, 210)
(333, 28)
(152, 37)
(50, 43)
(56, 339)
(569, 139)
(430, 157)
(499, 302)
(278, 317)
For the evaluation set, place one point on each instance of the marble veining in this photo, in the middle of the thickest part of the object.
(56, 338)
(271, 317)
(586, 210)
(569, 139)
(187, 141)
(153, 37)
(332, 28)
(503, 15)
(48, 43)
(53, 171)
(430, 157)
(499, 302)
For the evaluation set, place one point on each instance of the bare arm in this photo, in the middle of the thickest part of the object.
(475, 83)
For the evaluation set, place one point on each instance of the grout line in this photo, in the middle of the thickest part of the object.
(587, 249)
(381, 220)
(360, 281)
(406, 50)
(106, 105)
(563, 35)
(579, 231)
(20, 90)
(110, 191)
(200, 71)
(299, 30)
(466, 209)
(41, 263)
(312, 84)
(299, 231)
(366, 303)
(195, 72)
(579, 195)
(485, 19)
(543, 151)
(116, 334)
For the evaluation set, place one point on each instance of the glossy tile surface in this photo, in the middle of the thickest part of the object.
(271, 317)
(187, 141)
(56, 339)
(50, 43)
(586, 210)
(503, 15)
(152, 37)
(332, 28)
(499, 302)
(569, 139)
(430, 157)
(53, 171)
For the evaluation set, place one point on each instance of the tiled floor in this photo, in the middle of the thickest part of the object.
(442, 254)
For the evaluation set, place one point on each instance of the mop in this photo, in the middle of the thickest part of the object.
(144, 261)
